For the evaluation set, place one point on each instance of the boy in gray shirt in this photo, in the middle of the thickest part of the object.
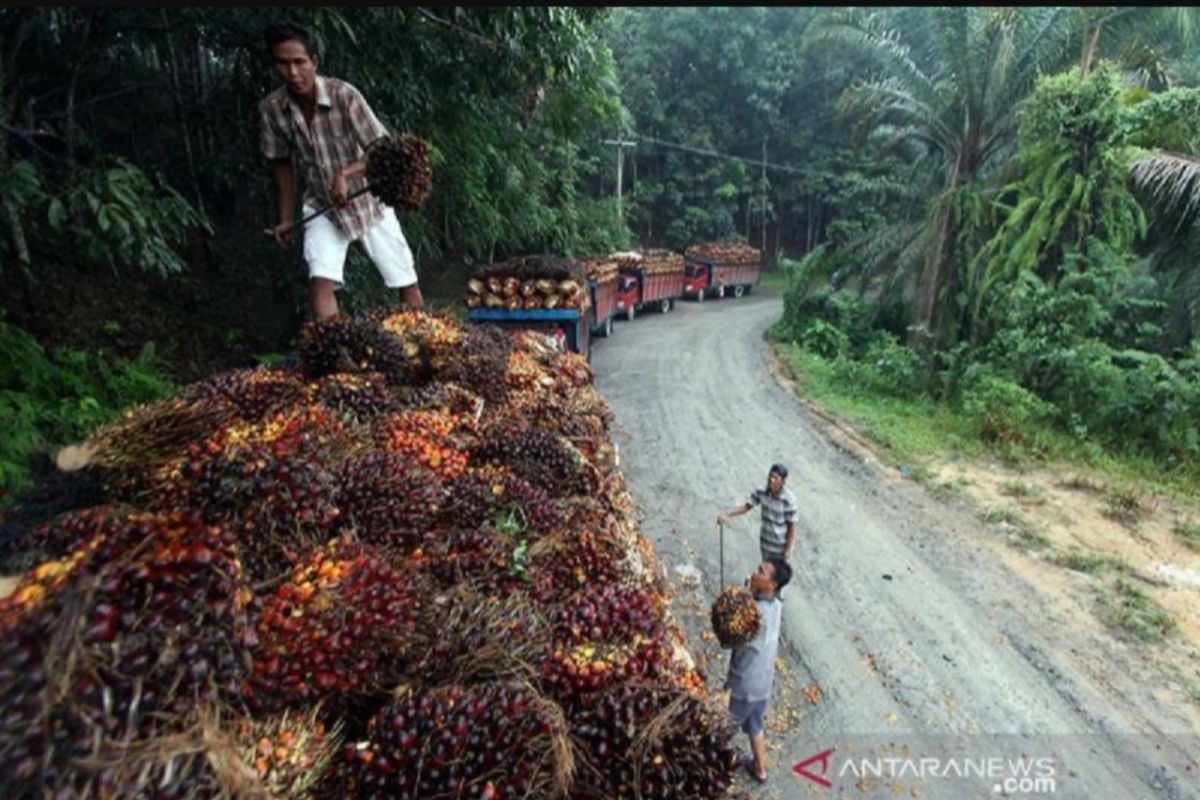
(752, 665)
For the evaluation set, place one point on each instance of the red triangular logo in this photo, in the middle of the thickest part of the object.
(801, 768)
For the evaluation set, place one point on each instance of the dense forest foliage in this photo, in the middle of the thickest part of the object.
(991, 207)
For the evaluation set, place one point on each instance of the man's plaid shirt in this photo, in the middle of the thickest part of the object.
(342, 128)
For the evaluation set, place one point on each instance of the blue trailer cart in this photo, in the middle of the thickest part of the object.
(568, 326)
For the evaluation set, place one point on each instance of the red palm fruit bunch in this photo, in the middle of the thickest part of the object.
(646, 741)
(290, 753)
(118, 644)
(573, 561)
(437, 334)
(493, 740)
(362, 395)
(448, 398)
(66, 533)
(357, 344)
(148, 435)
(252, 393)
(571, 672)
(478, 556)
(610, 613)
(735, 617)
(489, 492)
(482, 364)
(279, 490)
(399, 170)
(543, 458)
(341, 625)
(430, 438)
(482, 636)
(389, 499)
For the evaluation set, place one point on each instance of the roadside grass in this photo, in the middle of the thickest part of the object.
(776, 279)
(1022, 534)
(1002, 515)
(1024, 492)
(1126, 608)
(909, 431)
(1092, 563)
(945, 491)
(1188, 532)
(1027, 538)
(915, 432)
(1127, 505)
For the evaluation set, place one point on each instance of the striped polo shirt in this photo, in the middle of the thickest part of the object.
(777, 512)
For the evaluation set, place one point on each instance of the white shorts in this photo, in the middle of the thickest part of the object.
(325, 250)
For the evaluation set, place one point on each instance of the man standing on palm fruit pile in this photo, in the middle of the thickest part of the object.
(325, 125)
(752, 665)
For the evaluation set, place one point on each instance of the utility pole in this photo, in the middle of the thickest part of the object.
(620, 143)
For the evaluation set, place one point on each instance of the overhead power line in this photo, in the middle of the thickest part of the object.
(758, 162)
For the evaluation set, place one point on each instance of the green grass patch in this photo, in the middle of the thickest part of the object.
(1082, 483)
(1188, 533)
(914, 430)
(1025, 492)
(1130, 610)
(775, 279)
(1127, 505)
(1091, 563)
(1027, 538)
(909, 430)
(945, 491)
(1002, 515)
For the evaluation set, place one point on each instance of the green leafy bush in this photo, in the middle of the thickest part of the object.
(823, 338)
(888, 369)
(1002, 410)
(117, 215)
(49, 399)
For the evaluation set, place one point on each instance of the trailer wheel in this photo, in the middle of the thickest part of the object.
(664, 305)
(606, 328)
(629, 312)
(738, 290)
(720, 292)
(700, 296)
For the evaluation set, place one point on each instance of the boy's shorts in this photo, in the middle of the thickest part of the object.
(748, 714)
(325, 250)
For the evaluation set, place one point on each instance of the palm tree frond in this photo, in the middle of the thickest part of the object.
(1172, 180)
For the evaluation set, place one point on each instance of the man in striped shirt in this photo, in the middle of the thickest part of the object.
(324, 126)
(777, 535)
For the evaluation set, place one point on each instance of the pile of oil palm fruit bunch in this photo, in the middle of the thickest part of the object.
(399, 171)
(652, 261)
(529, 282)
(724, 253)
(601, 270)
(659, 261)
(406, 568)
(735, 617)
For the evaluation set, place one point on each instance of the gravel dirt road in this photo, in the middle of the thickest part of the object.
(922, 643)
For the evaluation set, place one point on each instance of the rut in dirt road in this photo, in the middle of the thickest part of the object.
(948, 657)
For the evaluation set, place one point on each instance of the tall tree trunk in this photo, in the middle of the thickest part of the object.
(935, 278)
(1091, 42)
(11, 42)
(181, 110)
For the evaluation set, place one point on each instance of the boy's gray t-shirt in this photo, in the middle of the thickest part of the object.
(752, 666)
